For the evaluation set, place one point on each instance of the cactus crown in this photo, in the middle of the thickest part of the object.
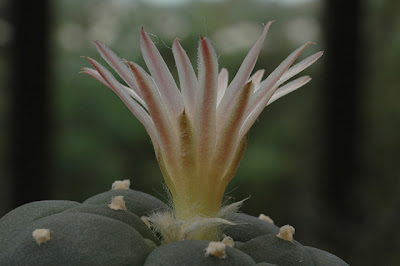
(198, 131)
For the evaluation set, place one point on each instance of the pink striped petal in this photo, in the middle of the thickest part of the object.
(297, 68)
(261, 97)
(243, 73)
(135, 96)
(132, 105)
(222, 84)
(94, 74)
(155, 105)
(289, 87)
(206, 101)
(117, 64)
(162, 76)
(228, 130)
(187, 78)
(237, 157)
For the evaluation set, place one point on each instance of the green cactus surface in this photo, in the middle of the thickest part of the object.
(109, 229)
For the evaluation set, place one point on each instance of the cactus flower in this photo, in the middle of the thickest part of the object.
(198, 130)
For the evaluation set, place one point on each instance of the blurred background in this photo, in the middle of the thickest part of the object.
(324, 159)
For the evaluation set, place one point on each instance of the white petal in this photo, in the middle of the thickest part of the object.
(243, 74)
(206, 102)
(297, 68)
(96, 75)
(132, 105)
(187, 78)
(155, 105)
(257, 77)
(227, 131)
(222, 84)
(289, 87)
(162, 76)
(261, 97)
(117, 64)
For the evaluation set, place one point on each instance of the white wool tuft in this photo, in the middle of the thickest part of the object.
(41, 235)
(118, 203)
(227, 240)
(121, 184)
(265, 218)
(172, 229)
(286, 232)
(216, 249)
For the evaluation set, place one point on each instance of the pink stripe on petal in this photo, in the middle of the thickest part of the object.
(156, 108)
(187, 77)
(243, 73)
(117, 64)
(96, 75)
(289, 87)
(93, 73)
(228, 130)
(222, 84)
(133, 106)
(206, 101)
(162, 76)
(231, 170)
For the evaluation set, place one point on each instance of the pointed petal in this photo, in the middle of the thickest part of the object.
(206, 101)
(161, 75)
(187, 77)
(257, 77)
(222, 84)
(96, 75)
(117, 64)
(155, 105)
(132, 105)
(289, 87)
(135, 96)
(93, 73)
(243, 73)
(228, 130)
(274, 77)
(239, 152)
(297, 68)
(266, 89)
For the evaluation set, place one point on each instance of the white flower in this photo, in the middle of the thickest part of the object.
(198, 131)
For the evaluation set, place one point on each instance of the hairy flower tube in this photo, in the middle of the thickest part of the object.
(198, 131)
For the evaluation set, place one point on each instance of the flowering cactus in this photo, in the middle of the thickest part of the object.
(199, 136)
(198, 132)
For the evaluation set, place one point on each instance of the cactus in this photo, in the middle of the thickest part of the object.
(96, 232)
(199, 137)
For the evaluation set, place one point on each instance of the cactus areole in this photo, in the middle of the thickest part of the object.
(199, 136)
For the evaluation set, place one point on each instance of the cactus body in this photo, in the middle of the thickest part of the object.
(93, 233)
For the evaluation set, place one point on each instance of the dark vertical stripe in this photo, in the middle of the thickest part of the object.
(30, 95)
(340, 123)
